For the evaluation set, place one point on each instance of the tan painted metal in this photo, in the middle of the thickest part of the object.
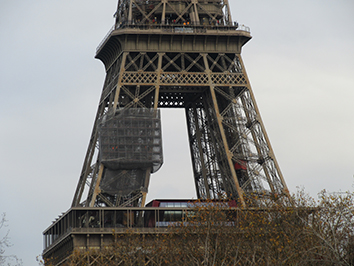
(153, 62)
(271, 154)
(97, 186)
(175, 54)
(226, 145)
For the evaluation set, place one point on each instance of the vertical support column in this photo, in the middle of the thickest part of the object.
(226, 2)
(88, 248)
(222, 132)
(130, 16)
(196, 15)
(163, 17)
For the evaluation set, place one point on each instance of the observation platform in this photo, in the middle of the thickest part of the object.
(176, 29)
(204, 34)
(84, 228)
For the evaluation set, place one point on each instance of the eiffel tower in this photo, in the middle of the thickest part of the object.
(176, 54)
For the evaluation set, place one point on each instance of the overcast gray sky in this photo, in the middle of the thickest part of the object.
(300, 63)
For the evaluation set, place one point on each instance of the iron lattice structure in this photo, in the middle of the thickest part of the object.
(183, 54)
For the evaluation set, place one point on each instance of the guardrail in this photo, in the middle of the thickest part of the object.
(244, 28)
(104, 220)
(105, 37)
(84, 220)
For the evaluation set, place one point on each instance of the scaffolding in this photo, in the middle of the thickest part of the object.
(131, 139)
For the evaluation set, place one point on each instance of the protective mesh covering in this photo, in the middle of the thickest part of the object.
(122, 182)
(131, 139)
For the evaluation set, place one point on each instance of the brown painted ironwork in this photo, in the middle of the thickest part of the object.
(167, 54)
(185, 54)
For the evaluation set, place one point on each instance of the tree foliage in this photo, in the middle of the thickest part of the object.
(304, 232)
(5, 243)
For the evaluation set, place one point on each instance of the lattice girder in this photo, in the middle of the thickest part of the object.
(167, 54)
(253, 149)
(143, 83)
(199, 69)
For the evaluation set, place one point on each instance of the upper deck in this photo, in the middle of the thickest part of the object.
(173, 25)
(176, 29)
(172, 38)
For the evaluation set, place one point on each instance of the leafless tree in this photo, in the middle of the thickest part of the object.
(5, 243)
(306, 232)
